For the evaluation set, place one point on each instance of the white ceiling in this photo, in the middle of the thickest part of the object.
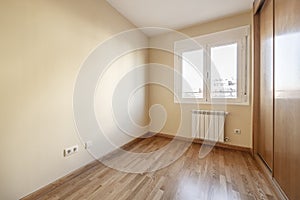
(176, 14)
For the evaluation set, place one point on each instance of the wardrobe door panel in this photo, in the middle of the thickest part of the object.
(265, 138)
(287, 97)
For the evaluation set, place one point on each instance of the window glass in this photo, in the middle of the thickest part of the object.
(192, 74)
(224, 71)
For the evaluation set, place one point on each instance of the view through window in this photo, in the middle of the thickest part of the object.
(224, 71)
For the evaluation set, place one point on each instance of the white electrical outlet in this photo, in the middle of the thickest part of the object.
(227, 139)
(70, 150)
(67, 151)
(237, 131)
(75, 149)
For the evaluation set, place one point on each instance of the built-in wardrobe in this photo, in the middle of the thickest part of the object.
(276, 112)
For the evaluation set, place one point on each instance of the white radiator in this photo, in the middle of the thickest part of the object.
(208, 125)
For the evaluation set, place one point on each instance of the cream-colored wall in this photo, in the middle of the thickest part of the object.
(43, 44)
(239, 117)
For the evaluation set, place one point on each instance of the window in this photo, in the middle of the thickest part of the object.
(213, 68)
(193, 86)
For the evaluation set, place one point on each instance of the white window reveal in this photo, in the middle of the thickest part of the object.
(213, 68)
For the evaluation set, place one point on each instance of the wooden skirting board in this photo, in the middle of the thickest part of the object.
(201, 141)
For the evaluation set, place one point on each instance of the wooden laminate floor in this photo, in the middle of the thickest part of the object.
(222, 174)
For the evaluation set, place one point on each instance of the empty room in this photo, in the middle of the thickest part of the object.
(149, 99)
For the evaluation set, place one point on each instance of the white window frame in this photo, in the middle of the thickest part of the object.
(238, 35)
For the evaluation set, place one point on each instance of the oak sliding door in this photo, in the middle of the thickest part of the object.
(265, 138)
(287, 97)
(277, 92)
